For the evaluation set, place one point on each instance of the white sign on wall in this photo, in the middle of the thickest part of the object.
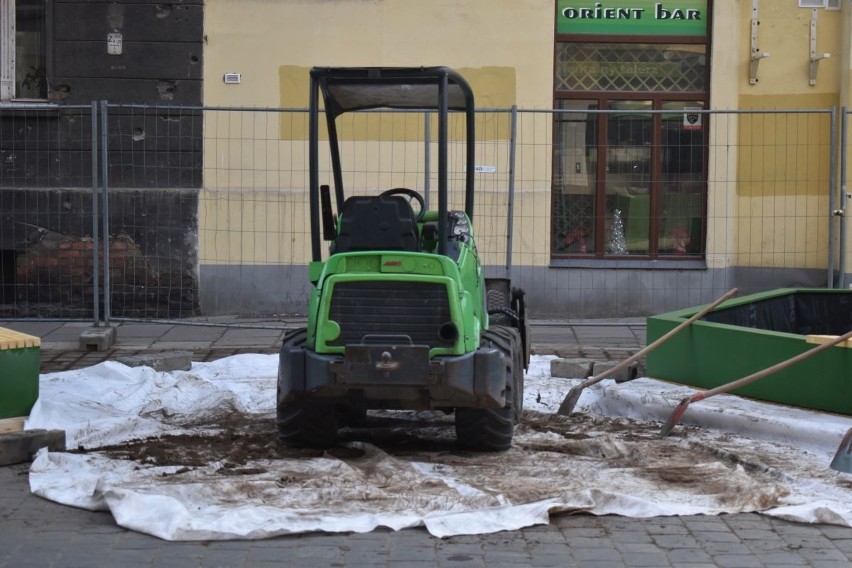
(114, 42)
(691, 118)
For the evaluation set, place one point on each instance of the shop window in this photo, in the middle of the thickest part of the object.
(23, 68)
(630, 149)
(630, 67)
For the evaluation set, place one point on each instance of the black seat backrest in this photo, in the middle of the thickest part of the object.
(377, 223)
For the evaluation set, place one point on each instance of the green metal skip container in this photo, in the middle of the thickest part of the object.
(748, 334)
(20, 360)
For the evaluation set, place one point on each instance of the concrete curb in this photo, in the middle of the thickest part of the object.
(19, 447)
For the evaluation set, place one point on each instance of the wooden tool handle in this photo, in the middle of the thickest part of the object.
(826, 339)
(648, 348)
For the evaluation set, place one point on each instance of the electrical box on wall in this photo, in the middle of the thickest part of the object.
(827, 4)
(232, 78)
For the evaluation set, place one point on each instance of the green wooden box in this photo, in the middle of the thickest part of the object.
(20, 361)
(748, 334)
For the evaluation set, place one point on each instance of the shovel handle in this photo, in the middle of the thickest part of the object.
(650, 347)
(770, 370)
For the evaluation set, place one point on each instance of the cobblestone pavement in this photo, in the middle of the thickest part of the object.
(39, 533)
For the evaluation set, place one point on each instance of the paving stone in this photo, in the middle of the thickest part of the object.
(784, 559)
(691, 555)
(822, 554)
(737, 561)
(160, 361)
(645, 559)
(676, 541)
(756, 534)
(622, 375)
(717, 538)
(600, 553)
(630, 535)
(19, 447)
(551, 561)
(844, 544)
(665, 528)
(576, 368)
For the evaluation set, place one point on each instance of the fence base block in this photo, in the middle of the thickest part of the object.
(97, 339)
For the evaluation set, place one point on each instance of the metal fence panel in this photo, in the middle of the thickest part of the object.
(47, 176)
(208, 209)
(841, 210)
(768, 184)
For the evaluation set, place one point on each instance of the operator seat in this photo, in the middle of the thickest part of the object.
(377, 223)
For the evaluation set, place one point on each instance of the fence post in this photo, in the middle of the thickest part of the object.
(832, 184)
(95, 241)
(510, 213)
(105, 217)
(427, 156)
(841, 211)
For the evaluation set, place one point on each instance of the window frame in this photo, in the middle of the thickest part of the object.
(8, 52)
(658, 98)
(7, 49)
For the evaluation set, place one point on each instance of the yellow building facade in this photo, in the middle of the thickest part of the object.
(694, 145)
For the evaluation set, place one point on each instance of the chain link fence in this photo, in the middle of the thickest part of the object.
(48, 237)
(157, 212)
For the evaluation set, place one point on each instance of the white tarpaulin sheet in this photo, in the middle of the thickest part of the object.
(194, 455)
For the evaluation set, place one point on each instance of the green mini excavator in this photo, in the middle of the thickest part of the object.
(400, 315)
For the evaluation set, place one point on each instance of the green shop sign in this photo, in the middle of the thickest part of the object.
(632, 17)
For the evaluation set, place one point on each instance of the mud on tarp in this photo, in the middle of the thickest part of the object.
(193, 455)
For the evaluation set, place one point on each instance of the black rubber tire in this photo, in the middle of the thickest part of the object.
(513, 338)
(523, 324)
(352, 416)
(496, 303)
(485, 429)
(301, 423)
(492, 429)
(307, 425)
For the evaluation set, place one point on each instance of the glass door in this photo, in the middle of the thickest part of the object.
(575, 176)
(627, 200)
(682, 178)
(630, 148)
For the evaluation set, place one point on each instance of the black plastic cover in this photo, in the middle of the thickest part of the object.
(802, 313)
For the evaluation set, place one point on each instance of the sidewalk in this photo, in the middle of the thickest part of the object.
(61, 350)
(214, 338)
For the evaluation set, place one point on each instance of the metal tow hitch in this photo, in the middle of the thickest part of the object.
(387, 364)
